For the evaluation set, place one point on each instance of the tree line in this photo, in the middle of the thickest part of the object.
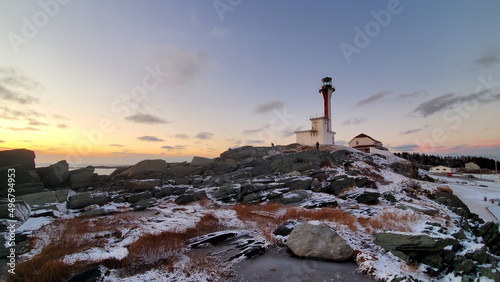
(449, 161)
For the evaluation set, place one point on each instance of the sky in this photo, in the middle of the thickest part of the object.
(116, 82)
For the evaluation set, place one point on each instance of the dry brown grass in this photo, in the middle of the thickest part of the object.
(266, 218)
(77, 235)
(67, 237)
(154, 250)
(444, 189)
(389, 219)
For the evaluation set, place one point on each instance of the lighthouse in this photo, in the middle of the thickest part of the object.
(321, 128)
(326, 91)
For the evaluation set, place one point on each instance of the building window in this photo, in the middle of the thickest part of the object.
(357, 142)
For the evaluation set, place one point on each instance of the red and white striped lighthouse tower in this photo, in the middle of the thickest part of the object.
(326, 91)
(321, 127)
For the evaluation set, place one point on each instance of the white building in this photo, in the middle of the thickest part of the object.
(365, 143)
(442, 169)
(320, 126)
(471, 165)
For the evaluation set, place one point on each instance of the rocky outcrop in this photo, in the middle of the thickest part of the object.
(20, 212)
(245, 153)
(233, 244)
(140, 185)
(23, 157)
(190, 197)
(82, 178)
(144, 204)
(338, 184)
(313, 240)
(43, 198)
(145, 169)
(404, 242)
(56, 175)
(200, 161)
(26, 181)
(81, 200)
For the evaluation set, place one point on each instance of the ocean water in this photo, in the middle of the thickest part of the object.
(101, 169)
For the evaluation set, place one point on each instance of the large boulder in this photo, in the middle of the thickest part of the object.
(56, 175)
(491, 236)
(317, 240)
(169, 191)
(81, 200)
(407, 242)
(227, 192)
(201, 161)
(338, 184)
(20, 212)
(300, 183)
(144, 204)
(293, 197)
(83, 177)
(452, 201)
(40, 198)
(139, 196)
(138, 185)
(26, 181)
(191, 197)
(146, 168)
(23, 157)
(244, 153)
(183, 171)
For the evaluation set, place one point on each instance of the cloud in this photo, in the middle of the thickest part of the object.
(150, 139)
(409, 97)
(27, 128)
(9, 113)
(405, 148)
(174, 148)
(1, 141)
(269, 106)
(116, 145)
(458, 147)
(410, 131)
(354, 121)
(14, 96)
(146, 118)
(487, 61)
(448, 101)
(34, 122)
(374, 98)
(15, 86)
(181, 136)
(62, 126)
(204, 135)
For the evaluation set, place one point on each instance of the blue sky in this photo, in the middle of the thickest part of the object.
(120, 81)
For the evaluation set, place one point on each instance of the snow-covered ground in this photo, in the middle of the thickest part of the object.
(472, 192)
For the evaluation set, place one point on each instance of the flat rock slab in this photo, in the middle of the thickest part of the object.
(230, 244)
(408, 242)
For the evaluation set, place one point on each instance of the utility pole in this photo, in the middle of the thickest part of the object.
(496, 169)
